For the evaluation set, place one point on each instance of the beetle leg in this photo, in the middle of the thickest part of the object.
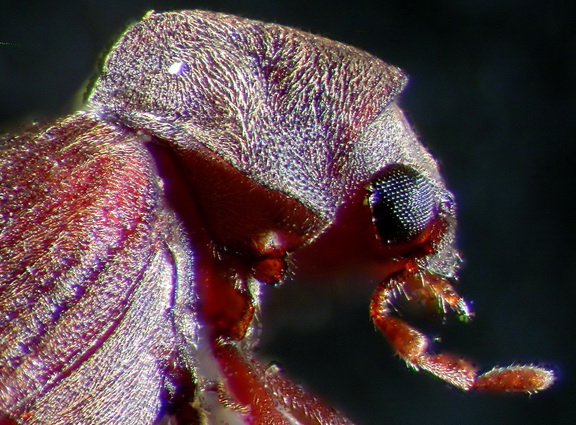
(412, 345)
(252, 400)
(227, 309)
(261, 396)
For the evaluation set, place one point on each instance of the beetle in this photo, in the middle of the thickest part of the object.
(136, 234)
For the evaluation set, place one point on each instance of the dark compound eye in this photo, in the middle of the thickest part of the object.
(402, 202)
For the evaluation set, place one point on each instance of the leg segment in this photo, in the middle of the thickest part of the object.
(261, 396)
(411, 345)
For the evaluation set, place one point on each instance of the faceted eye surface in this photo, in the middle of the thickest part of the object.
(402, 202)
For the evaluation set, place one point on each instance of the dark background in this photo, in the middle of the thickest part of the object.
(492, 93)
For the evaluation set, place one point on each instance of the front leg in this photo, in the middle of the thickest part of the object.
(413, 346)
(262, 396)
(243, 390)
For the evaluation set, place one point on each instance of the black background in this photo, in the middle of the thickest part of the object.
(492, 93)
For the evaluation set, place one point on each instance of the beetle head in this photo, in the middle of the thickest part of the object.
(301, 115)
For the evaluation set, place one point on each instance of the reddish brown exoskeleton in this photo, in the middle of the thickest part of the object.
(136, 234)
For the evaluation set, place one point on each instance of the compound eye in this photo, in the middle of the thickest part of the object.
(403, 204)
